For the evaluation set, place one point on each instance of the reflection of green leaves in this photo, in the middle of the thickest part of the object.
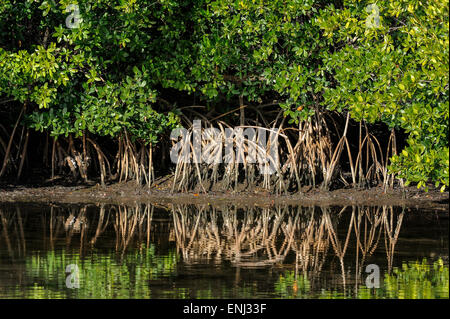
(414, 280)
(101, 276)
(288, 286)
(130, 276)
(418, 281)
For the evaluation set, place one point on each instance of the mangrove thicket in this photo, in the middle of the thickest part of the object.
(358, 90)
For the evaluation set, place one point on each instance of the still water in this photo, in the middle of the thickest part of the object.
(187, 251)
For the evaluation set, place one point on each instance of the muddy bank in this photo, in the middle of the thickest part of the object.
(129, 193)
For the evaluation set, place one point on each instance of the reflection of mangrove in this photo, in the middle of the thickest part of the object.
(86, 224)
(262, 237)
(283, 236)
(411, 280)
(259, 237)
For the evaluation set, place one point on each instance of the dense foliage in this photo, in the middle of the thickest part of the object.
(129, 67)
(396, 73)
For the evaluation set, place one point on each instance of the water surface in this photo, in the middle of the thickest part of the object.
(187, 251)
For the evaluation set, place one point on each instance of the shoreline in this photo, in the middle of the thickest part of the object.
(129, 194)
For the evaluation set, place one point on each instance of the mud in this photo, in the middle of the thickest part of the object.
(129, 193)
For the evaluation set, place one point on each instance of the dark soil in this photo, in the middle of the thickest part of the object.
(129, 193)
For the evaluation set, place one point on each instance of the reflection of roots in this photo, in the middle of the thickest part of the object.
(74, 223)
(311, 246)
(260, 238)
(264, 237)
(128, 222)
(255, 237)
